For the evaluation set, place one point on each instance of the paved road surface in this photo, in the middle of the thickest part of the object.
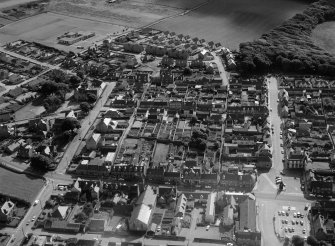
(269, 201)
(85, 126)
(223, 73)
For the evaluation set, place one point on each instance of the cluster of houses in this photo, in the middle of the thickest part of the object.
(321, 216)
(37, 51)
(307, 107)
(159, 43)
(70, 38)
(25, 140)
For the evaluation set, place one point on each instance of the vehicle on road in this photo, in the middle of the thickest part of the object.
(282, 173)
(33, 219)
(282, 151)
(270, 109)
(207, 228)
(36, 202)
(80, 47)
(28, 222)
(306, 206)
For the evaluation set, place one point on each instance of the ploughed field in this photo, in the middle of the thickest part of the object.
(19, 185)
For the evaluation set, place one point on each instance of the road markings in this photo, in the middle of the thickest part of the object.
(269, 180)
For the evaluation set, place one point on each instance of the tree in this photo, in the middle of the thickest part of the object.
(88, 208)
(41, 162)
(199, 134)
(70, 124)
(187, 71)
(74, 81)
(312, 241)
(85, 107)
(193, 121)
(50, 87)
(91, 97)
(80, 217)
(58, 76)
(297, 241)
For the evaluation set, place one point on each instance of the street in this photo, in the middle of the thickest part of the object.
(268, 198)
(59, 176)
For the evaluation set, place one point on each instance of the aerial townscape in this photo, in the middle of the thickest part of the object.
(167, 123)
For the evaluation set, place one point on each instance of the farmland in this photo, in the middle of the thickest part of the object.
(324, 36)
(45, 28)
(233, 21)
(19, 185)
(129, 13)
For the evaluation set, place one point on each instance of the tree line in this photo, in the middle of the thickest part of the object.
(289, 48)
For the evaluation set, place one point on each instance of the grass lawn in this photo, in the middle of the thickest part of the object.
(324, 36)
(19, 185)
(29, 111)
(161, 152)
(233, 21)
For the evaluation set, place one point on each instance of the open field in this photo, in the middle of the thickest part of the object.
(161, 152)
(324, 36)
(233, 21)
(19, 185)
(29, 111)
(129, 13)
(45, 28)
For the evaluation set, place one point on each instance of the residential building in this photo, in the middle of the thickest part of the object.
(106, 125)
(6, 211)
(94, 141)
(145, 204)
(180, 206)
(296, 159)
(25, 151)
(4, 131)
(95, 167)
(210, 208)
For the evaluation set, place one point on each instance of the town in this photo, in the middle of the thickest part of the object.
(154, 138)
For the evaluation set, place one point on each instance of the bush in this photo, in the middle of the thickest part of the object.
(41, 162)
(85, 107)
(70, 124)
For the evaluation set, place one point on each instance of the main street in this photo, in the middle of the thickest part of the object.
(59, 176)
(268, 198)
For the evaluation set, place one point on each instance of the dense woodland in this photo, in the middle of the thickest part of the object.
(289, 48)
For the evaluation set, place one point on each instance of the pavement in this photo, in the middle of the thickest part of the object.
(223, 73)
